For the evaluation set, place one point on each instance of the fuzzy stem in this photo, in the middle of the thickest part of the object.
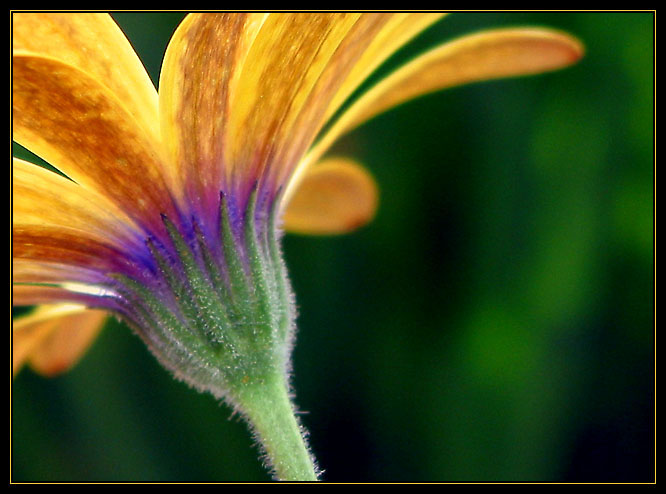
(267, 407)
(225, 324)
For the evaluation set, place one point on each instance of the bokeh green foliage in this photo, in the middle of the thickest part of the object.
(495, 322)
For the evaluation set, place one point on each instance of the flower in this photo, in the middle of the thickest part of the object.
(171, 207)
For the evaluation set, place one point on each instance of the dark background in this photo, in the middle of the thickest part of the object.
(494, 323)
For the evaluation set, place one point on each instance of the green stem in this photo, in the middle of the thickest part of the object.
(267, 407)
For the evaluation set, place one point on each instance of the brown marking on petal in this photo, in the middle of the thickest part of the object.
(78, 126)
(93, 43)
(67, 247)
(198, 74)
(283, 65)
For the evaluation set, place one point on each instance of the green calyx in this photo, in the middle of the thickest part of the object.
(218, 314)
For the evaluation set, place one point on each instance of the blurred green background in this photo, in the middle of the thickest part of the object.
(494, 323)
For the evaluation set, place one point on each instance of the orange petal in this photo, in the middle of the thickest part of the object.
(294, 67)
(81, 128)
(54, 337)
(199, 72)
(41, 197)
(482, 56)
(93, 43)
(335, 196)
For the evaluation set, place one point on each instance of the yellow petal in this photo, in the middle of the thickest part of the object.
(81, 128)
(477, 57)
(199, 73)
(335, 196)
(398, 30)
(38, 271)
(64, 246)
(40, 294)
(28, 331)
(54, 337)
(41, 197)
(93, 43)
(294, 67)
